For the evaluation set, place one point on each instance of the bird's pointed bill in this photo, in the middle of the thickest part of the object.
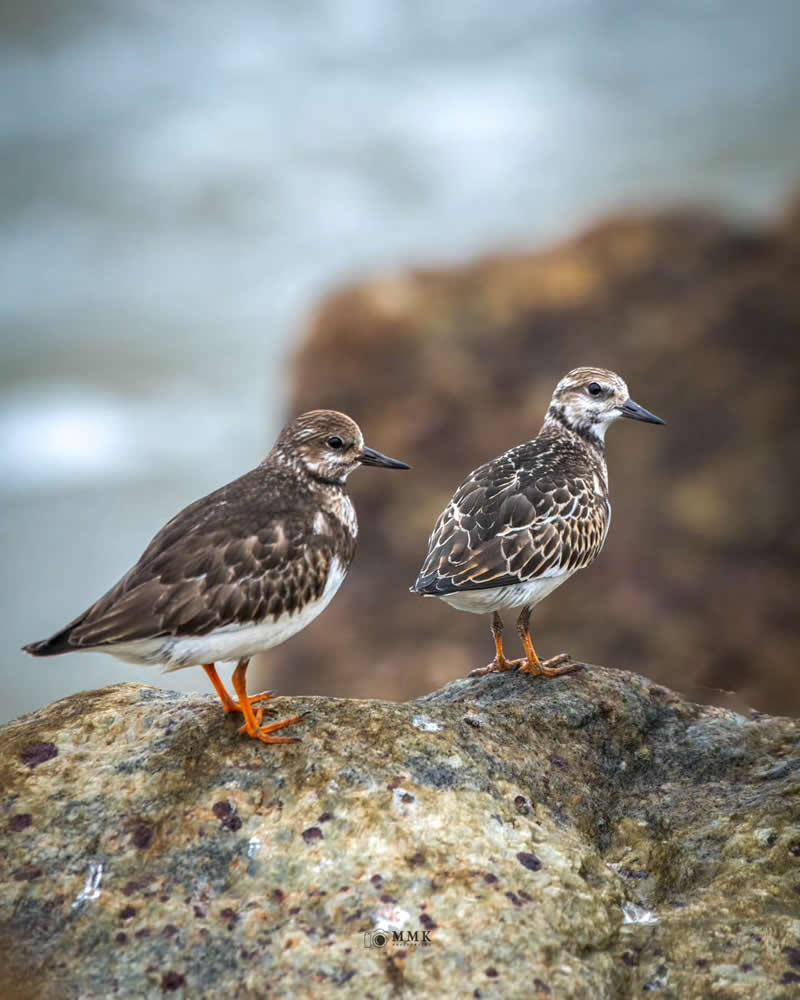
(633, 411)
(371, 457)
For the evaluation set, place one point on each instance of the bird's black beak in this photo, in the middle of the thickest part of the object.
(371, 457)
(636, 412)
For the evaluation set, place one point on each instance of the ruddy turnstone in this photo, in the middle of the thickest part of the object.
(240, 570)
(522, 524)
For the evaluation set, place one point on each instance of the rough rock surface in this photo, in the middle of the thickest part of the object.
(589, 836)
(447, 368)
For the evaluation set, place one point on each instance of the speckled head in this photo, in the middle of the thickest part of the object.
(587, 400)
(328, 445)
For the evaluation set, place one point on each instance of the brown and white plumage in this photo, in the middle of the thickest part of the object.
(240, 570)
(521, 525)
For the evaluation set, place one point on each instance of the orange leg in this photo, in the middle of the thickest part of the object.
(499, 664)
(533, 665)
(252, 720)
(227, 702)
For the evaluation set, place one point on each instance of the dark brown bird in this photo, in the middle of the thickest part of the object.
(240, 570)
(521, 525)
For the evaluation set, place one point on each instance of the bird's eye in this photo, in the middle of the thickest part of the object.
(335, 442)
(594, 388)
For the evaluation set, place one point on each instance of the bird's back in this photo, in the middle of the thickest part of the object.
(246, 552)
(539, 509)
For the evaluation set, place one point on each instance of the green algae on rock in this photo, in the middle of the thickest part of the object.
(589, 836)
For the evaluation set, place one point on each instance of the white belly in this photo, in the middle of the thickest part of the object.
(481, 602)
(232, 642)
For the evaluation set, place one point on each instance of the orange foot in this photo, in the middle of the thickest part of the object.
(252, 720)
(497, 666)
(256, 731)
(549, 668)
(228, 703)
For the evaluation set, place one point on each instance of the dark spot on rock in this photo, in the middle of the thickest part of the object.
(630, 959)
(790, 977)
(794, 850)
(121, 938)
(701, 963)
(416, 859)
(325, 818)
(131, 887)
(143, 933)
(35, 754)
(293, 910)
(20, 822)
(388, 899)
(172, 981)
(796, 889)
(406, 797)
(27, 873)
(142, 836)
(747, 967)
(377, 881)
(492, 973)
(311, 834)
(394, 783)
(541, 987)
(127, 912)
(633, 872)
(523, 895)
(557, 761)
(473, 720)
(529, 861)
(491, 879)
(514, 898)
(278, 895)
(199, 912)
(226, 814)
(169, 930)
(792, 956)
(522, 805)
(428, 922)
(229, 913)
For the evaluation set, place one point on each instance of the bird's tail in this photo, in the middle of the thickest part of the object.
(58, 643)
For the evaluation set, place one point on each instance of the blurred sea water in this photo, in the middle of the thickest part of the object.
(181, 182)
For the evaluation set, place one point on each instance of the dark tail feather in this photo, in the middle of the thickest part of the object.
(58, 643)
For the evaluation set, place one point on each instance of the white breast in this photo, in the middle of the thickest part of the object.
(232, 642)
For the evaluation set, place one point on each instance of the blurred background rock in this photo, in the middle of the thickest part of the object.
(182, 184)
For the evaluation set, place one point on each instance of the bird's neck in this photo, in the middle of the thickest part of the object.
(591, 434)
